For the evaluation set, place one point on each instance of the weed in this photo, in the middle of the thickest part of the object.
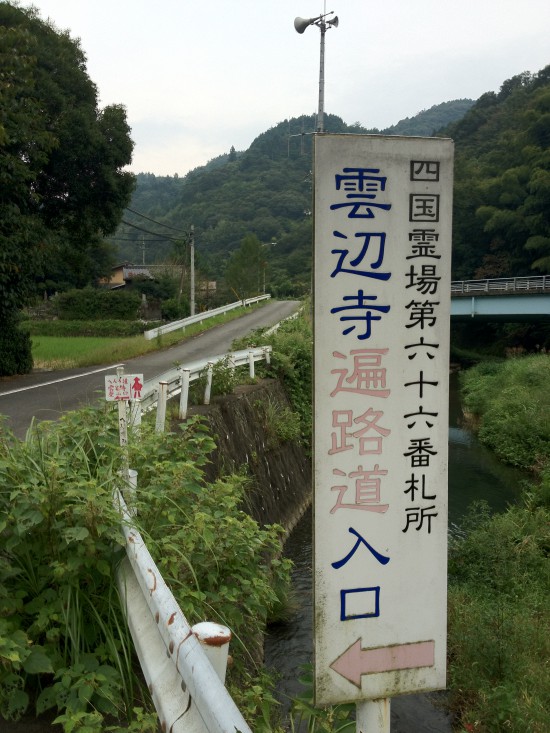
(64, 644)
(280, 423)
(499, 570)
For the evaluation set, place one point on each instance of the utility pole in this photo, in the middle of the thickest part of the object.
(192, 253)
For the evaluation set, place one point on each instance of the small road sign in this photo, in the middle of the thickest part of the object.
(123, 387)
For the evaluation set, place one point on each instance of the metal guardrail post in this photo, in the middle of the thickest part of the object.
(184, 394)
(214, 639)
(168, 649)
(251, 364)
(208, 388)
(161, 407)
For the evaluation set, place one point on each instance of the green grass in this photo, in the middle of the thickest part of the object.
(58, 352)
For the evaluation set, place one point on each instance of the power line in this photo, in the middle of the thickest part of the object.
(183, 231)
(155, 234)
(132, 239)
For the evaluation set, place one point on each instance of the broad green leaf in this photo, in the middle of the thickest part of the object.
(38, 662)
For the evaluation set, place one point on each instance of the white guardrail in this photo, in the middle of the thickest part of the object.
(184, 666)
(176, 381)
(199, 317)
(536, 284)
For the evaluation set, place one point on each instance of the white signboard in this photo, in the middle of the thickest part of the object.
(123, 387)
(382, 298)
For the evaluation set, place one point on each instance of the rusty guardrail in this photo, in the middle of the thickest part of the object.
(185, 677)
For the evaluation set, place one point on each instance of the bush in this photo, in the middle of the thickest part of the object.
(106, 328)
(291, 363)
(15, 347)
(498, 620)
(64, 642)
(499, 570)
(90, 304)
(512, 401)
(171, 310)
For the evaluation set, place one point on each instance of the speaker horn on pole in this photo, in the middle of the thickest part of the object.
(300, 24)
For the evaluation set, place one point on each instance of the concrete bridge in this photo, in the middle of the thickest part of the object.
(502, 299)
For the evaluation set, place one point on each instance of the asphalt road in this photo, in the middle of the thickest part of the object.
(46, 395)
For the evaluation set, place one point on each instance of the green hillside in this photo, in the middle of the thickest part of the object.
(501, 224)
(430, 121)
(502, 181)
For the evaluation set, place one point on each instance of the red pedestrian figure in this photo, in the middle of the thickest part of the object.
(137, 386)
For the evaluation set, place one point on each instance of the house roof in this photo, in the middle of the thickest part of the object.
(129, 272)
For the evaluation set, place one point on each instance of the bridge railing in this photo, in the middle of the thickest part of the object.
(536, 284)
(199, 317)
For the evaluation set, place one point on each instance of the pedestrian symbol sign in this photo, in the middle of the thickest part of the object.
(123, 387)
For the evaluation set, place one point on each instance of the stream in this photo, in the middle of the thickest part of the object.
(474, 473)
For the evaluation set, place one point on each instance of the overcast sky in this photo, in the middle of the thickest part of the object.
(199, 76)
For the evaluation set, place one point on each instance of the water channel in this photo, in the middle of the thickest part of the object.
(474, 473)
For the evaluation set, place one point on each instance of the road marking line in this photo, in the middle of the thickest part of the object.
(56, 381)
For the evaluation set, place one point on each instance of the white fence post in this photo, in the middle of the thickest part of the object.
(135, 415)
(184, 394)
(214, 639)
(208, 388)
(161, 407)
(251, 364)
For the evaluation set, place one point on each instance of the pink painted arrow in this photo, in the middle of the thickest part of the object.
(356, 661)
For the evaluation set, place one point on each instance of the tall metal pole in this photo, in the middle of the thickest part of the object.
(321, 112)
(300, 24)
(192, 253)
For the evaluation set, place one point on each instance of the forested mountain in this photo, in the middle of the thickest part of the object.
(265, 191)
(430, 121)
(501, 223)
(502, 181)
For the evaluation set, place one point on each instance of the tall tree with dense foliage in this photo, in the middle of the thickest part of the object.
(502, 181)
(245, 268)
(62, 183)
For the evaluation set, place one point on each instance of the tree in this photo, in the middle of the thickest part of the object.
(502, 181)
(244, 269)
(62, 183)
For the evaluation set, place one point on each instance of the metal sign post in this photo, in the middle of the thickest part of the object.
(123, 388)
(381, 358)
